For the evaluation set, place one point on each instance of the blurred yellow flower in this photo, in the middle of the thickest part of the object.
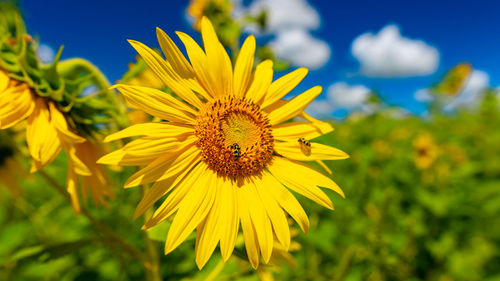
(400, 133)
(383, 148)
(47, 131)
(425, 151)
(97, 183)
(454, 81)
(225, 153)
(197, 9)
(456, 153)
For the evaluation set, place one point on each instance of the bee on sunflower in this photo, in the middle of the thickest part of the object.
(190, 156)
(48, 98)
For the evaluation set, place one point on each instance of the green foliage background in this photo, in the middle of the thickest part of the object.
(397, 222)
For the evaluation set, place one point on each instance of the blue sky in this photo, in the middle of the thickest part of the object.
(459, 31)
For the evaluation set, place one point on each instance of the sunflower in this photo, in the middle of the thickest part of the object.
(225, 151)
(426, 151)
(196, 9)
(199, 8)
(47, 133)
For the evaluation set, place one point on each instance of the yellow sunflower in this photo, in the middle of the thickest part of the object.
(196, 9)
(225, 152)
(47, 133)
(426, 151)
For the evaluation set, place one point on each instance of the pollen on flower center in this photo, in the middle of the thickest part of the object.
(234, 137)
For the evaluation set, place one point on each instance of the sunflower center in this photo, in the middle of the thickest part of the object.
(234, 137)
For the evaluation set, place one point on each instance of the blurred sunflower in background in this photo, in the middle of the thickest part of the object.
(198, 8)
(226, 150)
(425, 151)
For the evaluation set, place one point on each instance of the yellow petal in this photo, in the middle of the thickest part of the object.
(323, 165)
(294, 106)
(209, 231)
(42, 137)
(160, 129)
(260, 221)
(156, 103)
(164, 166)
(199, 62)
(276, 215)
(249, 234)
(221, 73)
(79, 167)
(262, 78)
(306, 174)
(178, 62)
(144, 147)
(294, 130)
(283, 86)
(282, 169)
(243, 67)
(192, 210)
(60, 123)
(166, 73)
(171, 203)
(159, 189)
(286, 200)
(295, 150)
(71, 186)
(325, 127)
(120, 157)
(230, 219)
(16, 104)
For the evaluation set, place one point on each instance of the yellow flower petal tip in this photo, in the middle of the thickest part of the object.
(226, 154)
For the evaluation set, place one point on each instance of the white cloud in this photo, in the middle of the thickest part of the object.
(319, 108)
(290, 21)
(300, 48)
(423, 95)
(341, 96)
(472, 92)
(46, 53)
(287, 14)
(388, 54)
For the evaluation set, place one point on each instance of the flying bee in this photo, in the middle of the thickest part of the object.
(236, 151)
(305, 146)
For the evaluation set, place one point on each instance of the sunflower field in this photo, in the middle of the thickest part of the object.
(169, 175)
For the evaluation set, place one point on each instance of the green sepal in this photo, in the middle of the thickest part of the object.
(52, 84)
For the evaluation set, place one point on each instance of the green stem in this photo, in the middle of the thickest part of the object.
(344, 264)
(74, 67)
(216, 271)
(108, 233)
